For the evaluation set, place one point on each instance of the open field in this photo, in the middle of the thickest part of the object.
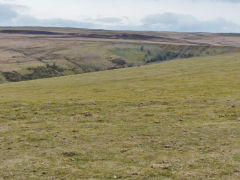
(174, 120)
(35, 53)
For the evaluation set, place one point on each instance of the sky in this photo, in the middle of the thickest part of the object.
(146, 15)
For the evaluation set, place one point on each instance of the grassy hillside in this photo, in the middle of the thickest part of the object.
(26, 58)
(174, 120)
(28, 53)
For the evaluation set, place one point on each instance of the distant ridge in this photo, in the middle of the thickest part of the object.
(184, 38)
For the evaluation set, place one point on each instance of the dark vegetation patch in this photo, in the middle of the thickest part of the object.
(36, 73)
(119, 63)
(9, 31)
(170, 52)
(168, 55)
(116, 56)
(69, 154)
(12, 76)
(115, 36)
(230, 34)
(48, 71)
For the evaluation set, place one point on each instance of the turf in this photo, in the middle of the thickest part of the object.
(174, 120)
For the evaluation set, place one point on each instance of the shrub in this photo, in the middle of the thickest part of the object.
(119, 61)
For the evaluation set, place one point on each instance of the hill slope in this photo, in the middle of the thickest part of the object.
(210, 39)
(174, 120)
(34, 53)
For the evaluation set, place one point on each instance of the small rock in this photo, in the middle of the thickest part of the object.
(100, 121)
(115, 177)
(69, 154)
(86, 114)
(160, 166)
(124, 150)
(236, 171)
(135, 174)
(165, 103)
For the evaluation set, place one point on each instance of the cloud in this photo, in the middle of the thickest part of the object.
(31, 21)
(186, 23)
(108, 20)
(7, 12)
(215, 1)
(10, 16)
(228, 1)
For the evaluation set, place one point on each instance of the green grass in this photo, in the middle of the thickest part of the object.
(175, 120)
(75, 57)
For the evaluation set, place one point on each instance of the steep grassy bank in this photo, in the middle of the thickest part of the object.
(174, 120)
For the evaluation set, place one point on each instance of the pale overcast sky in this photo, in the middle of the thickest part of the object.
(152, 15)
